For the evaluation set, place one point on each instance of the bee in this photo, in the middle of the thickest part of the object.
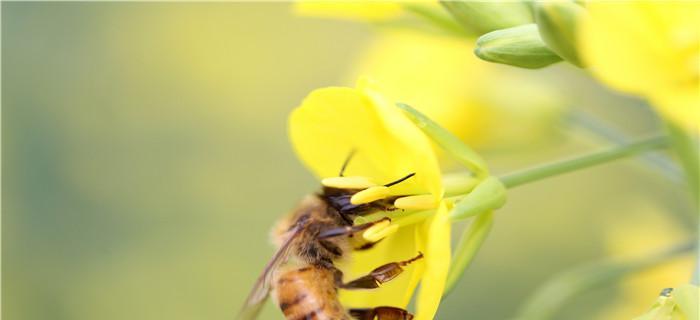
(302, 276)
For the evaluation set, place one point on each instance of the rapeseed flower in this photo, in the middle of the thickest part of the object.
(331, 123)
(650, 49)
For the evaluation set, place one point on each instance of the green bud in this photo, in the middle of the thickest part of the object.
(480, 17)
(557, 22)
(518, 46)
(488, 195)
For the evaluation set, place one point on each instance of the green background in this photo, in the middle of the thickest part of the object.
(145, 157)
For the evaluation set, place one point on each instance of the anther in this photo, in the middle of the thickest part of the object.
(348, 182)
(419, 202)
(379, 231)
(370, 194)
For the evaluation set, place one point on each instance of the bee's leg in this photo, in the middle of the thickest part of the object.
(347, 231)
(381, 313)
(379, 275)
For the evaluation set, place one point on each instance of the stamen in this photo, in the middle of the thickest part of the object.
(370, 194)
(348, 182)
(419, 202)
(379, 231)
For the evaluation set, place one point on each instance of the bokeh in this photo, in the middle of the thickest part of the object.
(145, 158)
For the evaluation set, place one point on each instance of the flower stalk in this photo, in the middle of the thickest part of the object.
(467, 248)
(478, 194)
(569, 165)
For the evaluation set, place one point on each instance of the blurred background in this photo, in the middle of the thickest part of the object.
(146, 157)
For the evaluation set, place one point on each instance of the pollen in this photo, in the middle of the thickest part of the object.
(348, 182)
(379, 231)
(418, 202)
(370, 194)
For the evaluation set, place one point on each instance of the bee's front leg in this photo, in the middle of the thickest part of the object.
(347, 231)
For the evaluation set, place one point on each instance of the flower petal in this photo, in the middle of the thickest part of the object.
(474, 100)
(397, 292)
(649, 49)
(437, 263)
(350, 10)
(680, 106)
(332, 122)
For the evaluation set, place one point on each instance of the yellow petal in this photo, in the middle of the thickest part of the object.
(437, 263)
(647, 48)
(474, 100)
(351, 10)
(332, 122)
(681, 107)
(399, 246)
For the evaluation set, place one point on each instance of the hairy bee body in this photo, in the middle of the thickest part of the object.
(302, 276)
(307, 289)
(308, 292)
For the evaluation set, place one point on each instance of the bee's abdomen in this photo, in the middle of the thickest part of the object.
(308, 293)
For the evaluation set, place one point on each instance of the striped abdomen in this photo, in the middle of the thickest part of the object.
(308, 293)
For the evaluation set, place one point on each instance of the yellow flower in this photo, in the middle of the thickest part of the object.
(650, 232)
(674, 304)
(650, 49)
(371, 10)
(475, 100)
(330, 123)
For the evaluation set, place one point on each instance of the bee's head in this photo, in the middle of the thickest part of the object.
(357, 195)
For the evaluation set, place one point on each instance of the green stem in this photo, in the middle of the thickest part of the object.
(467, 248)
(687, 149)
(546, 301)
(598, 130)
(565, 166)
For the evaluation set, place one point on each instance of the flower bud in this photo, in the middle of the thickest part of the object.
(680, 303)
(518, 46)
(480, 17)
(489, 195)
(557, 22)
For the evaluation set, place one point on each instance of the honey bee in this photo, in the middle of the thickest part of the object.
(302, 276)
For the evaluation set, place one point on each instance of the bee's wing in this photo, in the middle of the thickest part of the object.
(258, 296)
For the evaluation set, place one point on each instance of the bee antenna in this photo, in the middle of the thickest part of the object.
(345, 163)
(400, 180)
